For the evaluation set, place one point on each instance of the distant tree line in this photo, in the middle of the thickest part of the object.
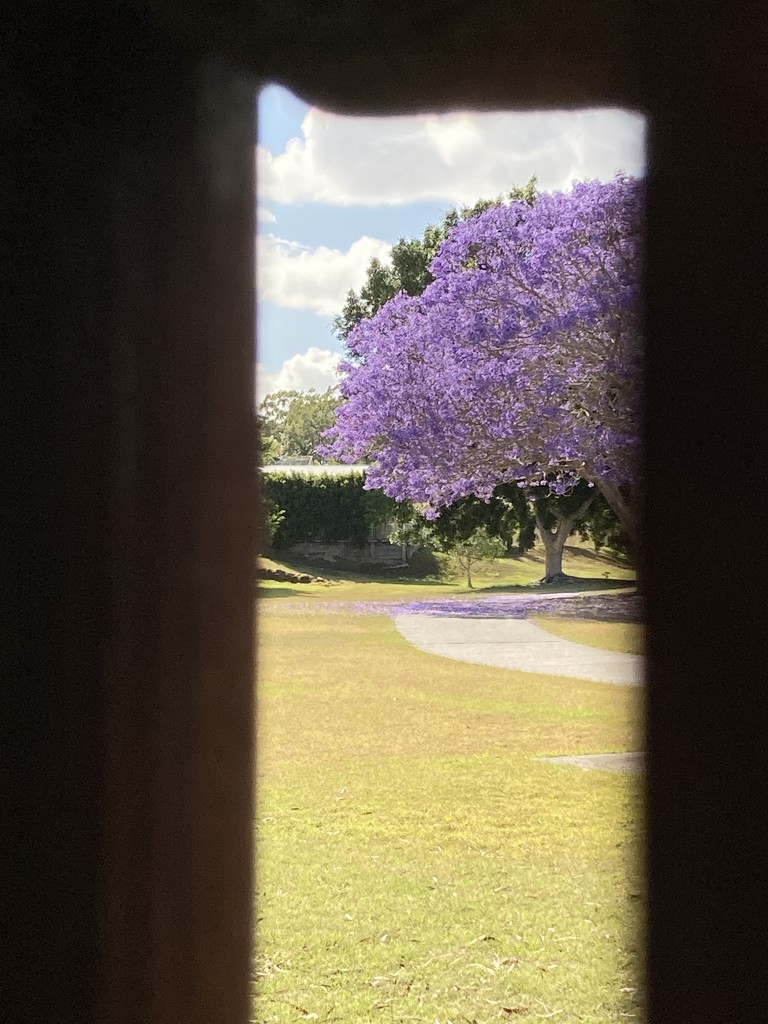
(292, 423)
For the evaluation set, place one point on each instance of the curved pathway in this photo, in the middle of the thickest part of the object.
(515, 643)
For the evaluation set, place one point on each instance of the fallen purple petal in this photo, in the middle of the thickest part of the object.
(625, 607)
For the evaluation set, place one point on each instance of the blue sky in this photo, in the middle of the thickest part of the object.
(335, 191)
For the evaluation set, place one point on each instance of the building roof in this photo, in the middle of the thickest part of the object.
(315, 469)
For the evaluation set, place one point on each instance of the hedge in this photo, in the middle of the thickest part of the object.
(327, 508)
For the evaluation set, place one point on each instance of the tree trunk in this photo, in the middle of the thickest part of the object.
(554, 540)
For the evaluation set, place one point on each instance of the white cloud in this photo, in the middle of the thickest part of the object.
(265, 216)
(316, 368)
(298, 277)
(455, 157)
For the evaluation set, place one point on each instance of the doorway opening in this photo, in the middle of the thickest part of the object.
(448, 384)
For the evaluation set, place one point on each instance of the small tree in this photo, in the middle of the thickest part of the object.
(471, 531)
(479, 546)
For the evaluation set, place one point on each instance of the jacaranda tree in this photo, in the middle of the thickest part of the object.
(520, 362)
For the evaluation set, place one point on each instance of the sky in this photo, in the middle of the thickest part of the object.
(334, 191)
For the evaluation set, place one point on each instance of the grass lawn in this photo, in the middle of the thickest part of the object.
(626, 637)
(415, 861)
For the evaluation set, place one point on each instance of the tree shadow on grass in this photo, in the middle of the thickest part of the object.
(266, 593)
(334, 575)
(604, 557)
(573, 585)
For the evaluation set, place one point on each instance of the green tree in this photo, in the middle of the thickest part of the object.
(292, 423)
(410, 261)
(506, 516)
(468, 531)
(269, 449)
(478, 546)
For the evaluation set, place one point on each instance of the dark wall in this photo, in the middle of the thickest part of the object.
(127, 708)
(127, 395)
(707, 419)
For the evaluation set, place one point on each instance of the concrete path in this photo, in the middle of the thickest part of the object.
(517, 644)
(633, 762)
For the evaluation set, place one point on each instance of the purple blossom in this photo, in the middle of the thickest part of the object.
(500, 606)
(523, 357)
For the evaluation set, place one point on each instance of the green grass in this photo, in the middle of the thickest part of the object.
(416, 862)
(506, 575)
(627, 637)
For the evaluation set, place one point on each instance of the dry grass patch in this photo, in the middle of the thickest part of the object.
(415, 862)
(625, 637)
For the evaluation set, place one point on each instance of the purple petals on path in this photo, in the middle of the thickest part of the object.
(608, 607)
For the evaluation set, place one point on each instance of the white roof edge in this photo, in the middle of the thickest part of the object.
(316, 469)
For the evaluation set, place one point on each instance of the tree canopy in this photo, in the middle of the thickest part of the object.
(520, 362)
(292, 423)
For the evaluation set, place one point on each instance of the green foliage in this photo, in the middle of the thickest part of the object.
(507, 514)
(292, 423)
(273, 516)
(603, 528)
(338, 509)
(410, 261)
(269, 447)
(470, 530)
(478, 546)
(410, 527)
(332, 509)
